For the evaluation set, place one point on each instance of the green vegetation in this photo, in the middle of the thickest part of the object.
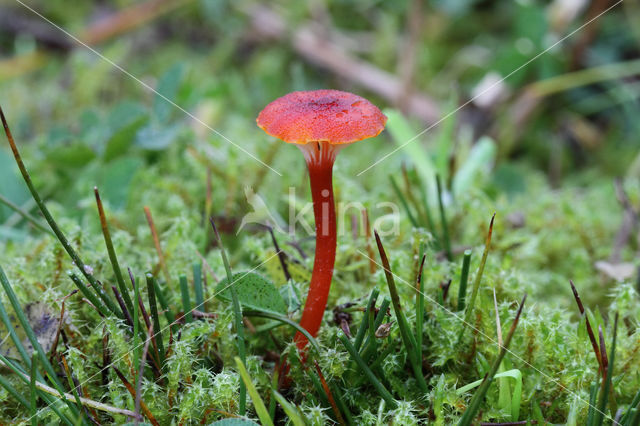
(121, 302)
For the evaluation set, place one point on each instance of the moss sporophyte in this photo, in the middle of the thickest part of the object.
(321, 123)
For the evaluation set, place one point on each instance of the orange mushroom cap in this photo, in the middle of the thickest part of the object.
(321, 116)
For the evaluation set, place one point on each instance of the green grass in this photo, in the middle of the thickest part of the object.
(394, 345)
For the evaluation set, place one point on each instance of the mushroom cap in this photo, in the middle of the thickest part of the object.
(321, 116)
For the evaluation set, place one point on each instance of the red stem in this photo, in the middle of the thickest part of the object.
(320, 176)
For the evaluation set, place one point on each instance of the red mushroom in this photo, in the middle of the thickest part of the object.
(321, 122)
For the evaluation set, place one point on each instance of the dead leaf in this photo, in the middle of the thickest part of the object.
(44, 323)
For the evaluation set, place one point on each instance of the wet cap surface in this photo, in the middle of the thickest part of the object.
(321, 116)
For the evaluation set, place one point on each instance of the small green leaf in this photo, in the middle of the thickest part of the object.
(168, 86)
(254, 292)
(75, 154)
(115, 179)
(124, 137)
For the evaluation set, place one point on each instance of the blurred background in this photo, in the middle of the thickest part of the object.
(526, 107)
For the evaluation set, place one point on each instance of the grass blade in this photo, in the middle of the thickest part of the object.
(419, 310)
(197, 286)
(464, 279)
(427, 210)
(153, 306)
(113, 258)
(258, 404)
(32, 389)
(476, 282)
(443, 221)
(84, 269)
(105, 308)
(592, 337)
(478, 396)
(136, 323)
(156, 243)
(168, 313)
(365, 324)
(407, 336)
(603, 398)
(237, 313)
(403, 201)
(327, 392)
(290, 410)
(186, 302)
(384, 393)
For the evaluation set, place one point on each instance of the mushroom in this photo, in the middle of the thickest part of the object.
(320, 123)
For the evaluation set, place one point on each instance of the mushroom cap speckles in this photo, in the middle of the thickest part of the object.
(321, 116)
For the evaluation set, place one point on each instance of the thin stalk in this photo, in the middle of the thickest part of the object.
(151, 294)
(32, 388)
(136, 324)
(443, 221)
(635, 403)
(420, 310)
(127, 315)
(593, 400)
(427, 210)
(411, 198)
(384, 393)
(464, 279)
(592, 337)
(407, 337)
(186, 302)
(72, 385)
(274, 388)
(168, 313)
(320, 179)
(289, 409)
(285, 320)
(84, 269)
(364, 324)
(476, 282)
(132, 391)
(156, 243)
(197, 286)
(281, 255)
(25, 214)
(606, 385)
(106, 308)
(478, 396)
(113, 258)
(327, 391)
(403, 201)
(261, 409)
(237, 313)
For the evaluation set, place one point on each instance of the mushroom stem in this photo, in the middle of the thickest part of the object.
(320, 157)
